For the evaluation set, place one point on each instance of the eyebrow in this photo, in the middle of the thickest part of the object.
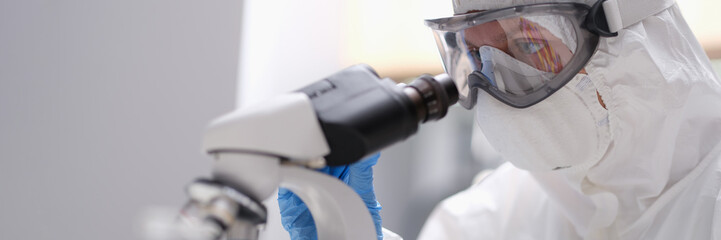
(499, 37)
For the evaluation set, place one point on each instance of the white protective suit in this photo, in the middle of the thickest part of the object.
(660, 176)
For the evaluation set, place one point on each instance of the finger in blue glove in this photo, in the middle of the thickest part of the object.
(296, 218)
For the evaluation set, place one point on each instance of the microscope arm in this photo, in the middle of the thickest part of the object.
(247, 145)
(337, 210)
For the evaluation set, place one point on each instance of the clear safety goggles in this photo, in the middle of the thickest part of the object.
(520, 55)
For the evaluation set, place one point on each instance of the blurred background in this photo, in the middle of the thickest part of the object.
(103, 103)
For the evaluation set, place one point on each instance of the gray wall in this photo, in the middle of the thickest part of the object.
(102, 109)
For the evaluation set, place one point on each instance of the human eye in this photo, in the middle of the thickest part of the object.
(529, 47)
(475, 56)
(472, 49)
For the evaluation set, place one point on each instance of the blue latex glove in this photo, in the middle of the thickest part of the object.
(294, 213)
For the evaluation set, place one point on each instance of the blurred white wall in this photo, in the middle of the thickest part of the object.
(102, 109)
(286, 45)
(702, 17)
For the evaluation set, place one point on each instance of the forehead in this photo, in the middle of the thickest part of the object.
(490, 33)
(497, 32)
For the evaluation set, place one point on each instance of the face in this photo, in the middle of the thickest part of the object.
(523, 39)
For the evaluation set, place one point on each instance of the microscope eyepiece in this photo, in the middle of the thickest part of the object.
(433, 96)
(360, 113)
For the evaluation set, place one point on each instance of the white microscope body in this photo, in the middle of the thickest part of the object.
(335, 121)
(248, 145)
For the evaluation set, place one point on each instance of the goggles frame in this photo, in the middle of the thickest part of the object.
(589, 25)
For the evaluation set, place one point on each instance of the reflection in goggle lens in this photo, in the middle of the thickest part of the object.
(519, 55)
(523, 53)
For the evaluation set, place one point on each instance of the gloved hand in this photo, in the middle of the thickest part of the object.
(294, 213)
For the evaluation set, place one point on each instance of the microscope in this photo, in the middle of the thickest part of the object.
(335, 121)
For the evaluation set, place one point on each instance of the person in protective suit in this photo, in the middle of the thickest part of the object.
(607, 112)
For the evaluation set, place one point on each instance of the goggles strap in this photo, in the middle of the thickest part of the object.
(621, 14)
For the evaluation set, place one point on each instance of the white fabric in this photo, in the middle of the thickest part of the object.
(464, 6)
(569, 129)
(619, 13)
(624, 13)
(661, 175)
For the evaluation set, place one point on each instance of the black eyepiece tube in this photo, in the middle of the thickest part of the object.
(361, 113)
(436, 93)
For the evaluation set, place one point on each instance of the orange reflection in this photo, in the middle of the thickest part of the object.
(523, 39)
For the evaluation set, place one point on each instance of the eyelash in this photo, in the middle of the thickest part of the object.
(529, 47)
